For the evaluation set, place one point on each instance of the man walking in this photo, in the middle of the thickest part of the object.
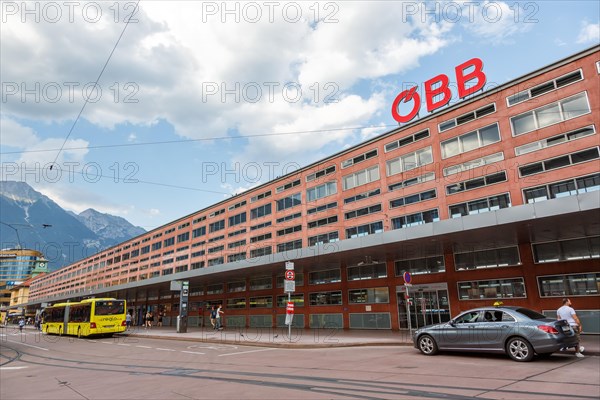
(567, 312)
(218, 318)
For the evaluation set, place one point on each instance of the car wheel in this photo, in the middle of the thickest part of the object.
(427, 345)
(519, 349)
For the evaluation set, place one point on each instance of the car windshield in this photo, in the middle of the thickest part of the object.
(530, 313)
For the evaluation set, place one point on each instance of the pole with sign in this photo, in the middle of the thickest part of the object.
(408, 283)
(289, 286)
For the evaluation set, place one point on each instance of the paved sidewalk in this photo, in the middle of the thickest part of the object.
(304, 338)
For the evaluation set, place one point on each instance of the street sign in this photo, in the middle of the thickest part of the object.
(289, 286)
(290, 308)
(290, 275)
(289, 265)
(407, 278)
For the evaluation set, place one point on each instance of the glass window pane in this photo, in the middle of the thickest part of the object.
(562, 189)
(548, 115)
(489, 134)
(450, 148)
(536, 194)
(575, 106)
(523, 123)
(470, 141)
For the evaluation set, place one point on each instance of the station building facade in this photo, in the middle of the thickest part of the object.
(495, 198)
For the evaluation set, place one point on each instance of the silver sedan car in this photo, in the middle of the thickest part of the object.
(516, 331)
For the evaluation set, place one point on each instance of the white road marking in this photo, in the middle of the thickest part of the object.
(144, 347)
(244, 352)
(28, 345)
(123, 344)
(5, 368)
(191, 352)
(158, 348)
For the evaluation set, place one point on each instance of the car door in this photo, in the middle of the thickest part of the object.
(458, 333)
(491, 331)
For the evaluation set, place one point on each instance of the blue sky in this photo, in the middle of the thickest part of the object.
(192, 89)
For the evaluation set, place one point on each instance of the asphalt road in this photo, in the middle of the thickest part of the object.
(35, 366)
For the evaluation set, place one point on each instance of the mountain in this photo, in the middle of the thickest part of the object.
(70, 237)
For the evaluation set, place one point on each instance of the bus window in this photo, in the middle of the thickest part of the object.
(110, 307)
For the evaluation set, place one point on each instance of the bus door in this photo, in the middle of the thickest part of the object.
(65, 329)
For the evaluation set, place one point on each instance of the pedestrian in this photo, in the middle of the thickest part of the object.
(213, 317)
(160, 317)
(567, 312)
(128, 320)
(21, 324)
(149, 319)
(218, 317)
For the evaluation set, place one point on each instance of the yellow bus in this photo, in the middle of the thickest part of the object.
(85, 318)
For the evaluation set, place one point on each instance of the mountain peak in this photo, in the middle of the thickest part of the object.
(19, 191)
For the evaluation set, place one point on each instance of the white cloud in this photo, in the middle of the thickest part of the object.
(495, 21)
(15, 134)
(132, 137)
(589, 33)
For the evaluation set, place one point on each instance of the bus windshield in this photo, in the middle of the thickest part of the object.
(110, 307)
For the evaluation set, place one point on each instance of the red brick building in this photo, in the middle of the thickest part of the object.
(495, 198)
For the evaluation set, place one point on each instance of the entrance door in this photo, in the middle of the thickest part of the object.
(428, 305)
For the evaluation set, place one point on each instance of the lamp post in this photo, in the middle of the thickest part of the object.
(16, 231)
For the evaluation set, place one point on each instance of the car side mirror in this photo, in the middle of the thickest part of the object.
(452, 322)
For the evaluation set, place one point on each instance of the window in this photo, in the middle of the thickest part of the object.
(364, 230)
(261, 252)
(288, 218)
(471, 116)
(418, 266)
(261, 283)
(545, 87)
(409, 161)
(360, 158)
(260, 226)
(490, 258)
(237, 219)
(470, 141)
(236, 244)
(419, 218)
(297, 299)
(260, 211)
(359, 178)
(378, 295)
(200, 219)
(216, 238)
(237, 205)
(550, 114)
(324, 190)
(214, 289)
(479, 162)
(199, 232)
(293, 245)
(290, 230)
(287, 186)
(322, 222)
(320, 173)
(299, 280)
(476, 183)
(554, 140)
(324, 238)
(569, 187)
(480, 206)
(324, 207)
(261, 302)
(413, 198)
(396, 144)
(362, 272)
(412, 181)
(324, 277)
(289, 202)
(239, 286)
(567, 250)
(260, 238)
(492, 289)
(325, 298)
(183, 237)
(216, 261)
(236, 233)
(559, 162)
(236, 257)
(236, 303)
(587, 284)
(260, 196)
(169, 242)
(362, 196)
(363, 211)
(215, 213)
(216, 226)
